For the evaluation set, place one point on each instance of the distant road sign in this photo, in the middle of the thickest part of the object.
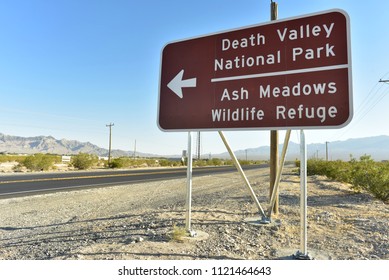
(292, 73)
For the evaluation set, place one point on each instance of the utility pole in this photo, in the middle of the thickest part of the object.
(274, 133)
(383, 81)
(110, 141)
(327, 150)
(135, 149)
(198, 146)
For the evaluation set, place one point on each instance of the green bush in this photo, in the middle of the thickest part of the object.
(244, 162)
(39, 162)
(215, 162)
(200, 163)
(371, 176)
(164, 162)
(363, 174)
(122, 162)
(10, 158)
(127, 162)
(84, 161)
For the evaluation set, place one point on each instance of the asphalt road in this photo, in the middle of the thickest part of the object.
(34, 183)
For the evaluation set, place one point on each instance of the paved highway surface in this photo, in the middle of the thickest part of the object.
(34, 183)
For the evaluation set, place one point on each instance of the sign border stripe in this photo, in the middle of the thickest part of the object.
(280, 73)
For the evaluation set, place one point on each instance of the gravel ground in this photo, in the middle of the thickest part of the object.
(136, 221)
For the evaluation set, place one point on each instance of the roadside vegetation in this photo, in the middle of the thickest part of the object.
(127, 162)
(36, 162)
(363, 174)
(83, 161)
(40, 162)
(11, 158)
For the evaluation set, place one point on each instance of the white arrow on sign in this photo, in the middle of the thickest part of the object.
(178, 83)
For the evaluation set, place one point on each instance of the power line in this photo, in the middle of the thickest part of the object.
(374, 102)
(376, 95)
(372, 90)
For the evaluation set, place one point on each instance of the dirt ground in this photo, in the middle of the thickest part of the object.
(136, 221)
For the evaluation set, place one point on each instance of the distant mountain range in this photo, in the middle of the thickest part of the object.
(48, 144)
(377, 147)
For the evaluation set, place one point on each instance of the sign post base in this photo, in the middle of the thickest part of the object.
(301, 256)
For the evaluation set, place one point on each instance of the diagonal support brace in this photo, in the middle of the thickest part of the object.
(240, 170)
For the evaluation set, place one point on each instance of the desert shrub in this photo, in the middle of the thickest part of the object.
(10, 158)
(363, 174)
(380, 186)
(164, 162)
(244, 162)
(215, 162)
(39, 162)
(371, 176)
(200, 163)
(121, 162)
(125, 162)
(176, 163)
(84, 161)
(178, 233)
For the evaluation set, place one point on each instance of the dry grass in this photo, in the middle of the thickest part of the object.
(178, 233)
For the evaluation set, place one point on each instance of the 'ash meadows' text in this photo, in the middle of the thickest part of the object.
(282, 112)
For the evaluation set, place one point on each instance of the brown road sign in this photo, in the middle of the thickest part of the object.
(293, 73)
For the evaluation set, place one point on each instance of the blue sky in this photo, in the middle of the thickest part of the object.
(69, 67)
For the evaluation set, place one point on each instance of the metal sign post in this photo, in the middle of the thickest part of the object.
(188, 219)
(303, 253)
